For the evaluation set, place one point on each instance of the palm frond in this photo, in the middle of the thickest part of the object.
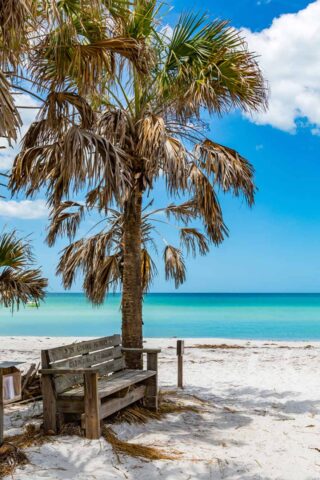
(14, 251)
(10, 120)
(174, 265)
(192, 239)
(82, 158)
(231, 171)
(97, 283)
(207, 205)
(21, 286)
(16, 20)
(92, 258)
(148, 270)
(19, 282)
(208, 65)
(65, 222)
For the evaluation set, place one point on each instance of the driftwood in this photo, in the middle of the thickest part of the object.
(31, 387)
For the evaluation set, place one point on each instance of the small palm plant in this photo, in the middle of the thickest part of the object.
(124, 102)
(19, 281)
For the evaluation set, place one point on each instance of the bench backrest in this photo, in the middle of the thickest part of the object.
(102, 353)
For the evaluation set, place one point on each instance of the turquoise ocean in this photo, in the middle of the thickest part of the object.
(242, 316)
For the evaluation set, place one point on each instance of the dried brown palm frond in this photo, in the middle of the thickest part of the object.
(192, 239)
(107, 276)
(207, 204)
(17, 19)
(64, 221)
(10, 120)
(167, 406)
(136, 449)
(92, 256)
(11, 458)
(185, 212)
(174, 265)
(175, 165)
(152, 135)
(81, 158)
(231, 170)
(148, 269)
(116, 125)
(161, 152)
(61, 59)
(64, 107)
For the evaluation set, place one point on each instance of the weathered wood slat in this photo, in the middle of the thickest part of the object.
(80, 348)
(89, 360)
(115, 404)
(66, 406)
(65, 382)
(109, 385)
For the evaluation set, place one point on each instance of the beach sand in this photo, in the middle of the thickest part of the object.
(259, 417)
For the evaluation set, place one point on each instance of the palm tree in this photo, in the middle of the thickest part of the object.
(123, 110)
(19, 282)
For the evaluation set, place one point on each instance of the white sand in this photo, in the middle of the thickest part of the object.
(261, 420)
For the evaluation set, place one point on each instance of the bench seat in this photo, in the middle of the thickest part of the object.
(112, 384)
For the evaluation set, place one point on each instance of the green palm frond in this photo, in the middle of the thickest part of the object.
(21, 286)
(14, 252)
(19, 282)
(208, 65)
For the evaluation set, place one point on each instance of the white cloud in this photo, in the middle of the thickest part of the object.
(263, 2)
(26, 209)
(28, 115)
(290, 59)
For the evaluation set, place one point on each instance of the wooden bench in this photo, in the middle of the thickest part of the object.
(90, 379)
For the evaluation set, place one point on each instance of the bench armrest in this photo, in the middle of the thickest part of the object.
(67, 371)
(142, 350)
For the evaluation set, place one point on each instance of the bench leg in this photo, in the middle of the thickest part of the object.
(92, 406)
(151, 395)
(49, 405)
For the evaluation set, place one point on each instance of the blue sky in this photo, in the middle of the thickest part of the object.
(275, 246)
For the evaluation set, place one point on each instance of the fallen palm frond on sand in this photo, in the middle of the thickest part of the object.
(10, 458)
(135, 449)
(140, 414)
(11, 453)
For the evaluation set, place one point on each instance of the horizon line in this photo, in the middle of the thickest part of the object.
(200, 293)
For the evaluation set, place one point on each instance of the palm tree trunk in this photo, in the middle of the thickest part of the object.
(132, 284)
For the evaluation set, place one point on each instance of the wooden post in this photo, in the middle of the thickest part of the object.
(180, 352)
(1, 409)
(151, 395)
(48, 398)
(91, 405)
